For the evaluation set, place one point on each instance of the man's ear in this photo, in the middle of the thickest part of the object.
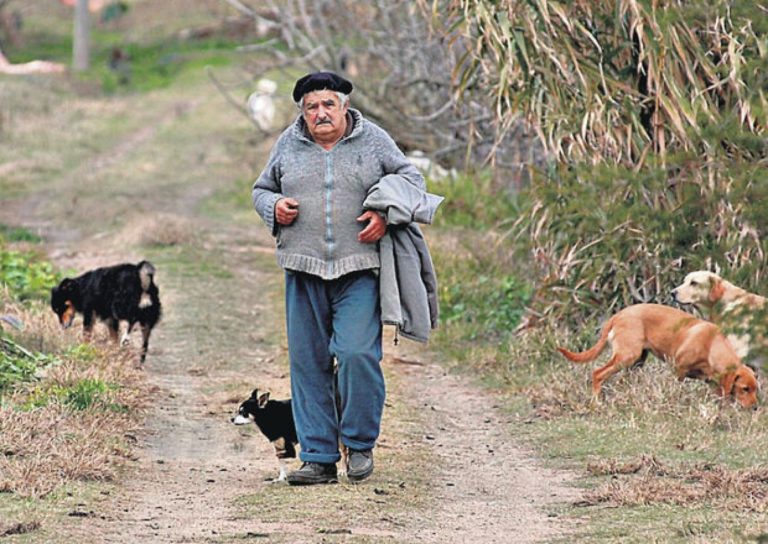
(263, 399)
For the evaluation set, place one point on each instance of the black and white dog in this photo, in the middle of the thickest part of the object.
(124, 292)
(274, 418)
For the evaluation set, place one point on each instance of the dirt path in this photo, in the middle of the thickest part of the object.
(448, 469)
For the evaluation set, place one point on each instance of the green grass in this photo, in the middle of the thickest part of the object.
(18, 234)
(232, 200)
(80, 395)
(152, 64)
(474, 201)
(659, 524)
(19, 364)
(25, 274)
(187, 262)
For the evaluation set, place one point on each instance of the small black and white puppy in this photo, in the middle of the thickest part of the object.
(274, 418)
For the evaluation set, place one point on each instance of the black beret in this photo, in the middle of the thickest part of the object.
(319, 81)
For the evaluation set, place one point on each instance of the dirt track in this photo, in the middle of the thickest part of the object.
(448, 468)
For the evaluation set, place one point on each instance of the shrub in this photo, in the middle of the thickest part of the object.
(25, 275)
(474, 200)
(606, 237)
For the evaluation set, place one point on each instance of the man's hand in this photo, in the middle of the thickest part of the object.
(375, 228)
(286, 211)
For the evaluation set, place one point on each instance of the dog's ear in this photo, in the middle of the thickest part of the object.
(68, 285)
(727, 383)
(255, 394)
(716, 290)
(263, 399)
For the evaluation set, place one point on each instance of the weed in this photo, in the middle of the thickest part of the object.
(25, 274)
(18, 364)
(85, 353)
(18, 234)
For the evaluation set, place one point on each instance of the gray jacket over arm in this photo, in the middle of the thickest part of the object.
(407, 279)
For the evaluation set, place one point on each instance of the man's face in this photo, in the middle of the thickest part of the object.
(324, 115)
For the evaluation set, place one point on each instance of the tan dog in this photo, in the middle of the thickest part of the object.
(738, 307)
(697, 347)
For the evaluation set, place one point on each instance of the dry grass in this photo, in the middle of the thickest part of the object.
(158, 230)
(41, 330)
(650, 440)
(46, 440)
(647, 480)
(559, 388)
(19, 528)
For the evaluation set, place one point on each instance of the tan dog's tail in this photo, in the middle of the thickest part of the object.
(592, 353)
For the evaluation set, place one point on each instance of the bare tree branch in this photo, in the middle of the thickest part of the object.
(401, 70)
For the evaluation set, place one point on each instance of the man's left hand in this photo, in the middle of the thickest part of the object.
(375, 228)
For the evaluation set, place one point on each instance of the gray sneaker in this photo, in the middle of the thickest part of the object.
(314, 473)
(359, 464)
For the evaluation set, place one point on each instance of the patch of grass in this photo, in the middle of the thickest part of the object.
(473, 201)
(193, 263)
(65, 408)
(18, 234)
(662, 523)
(84, 353)
(25, 274)
(83, 394)
(148, 65)
(482, 297)
(18, 364)
(158, 65)
(232, 200)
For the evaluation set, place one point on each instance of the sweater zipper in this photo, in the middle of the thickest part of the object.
(329, 213)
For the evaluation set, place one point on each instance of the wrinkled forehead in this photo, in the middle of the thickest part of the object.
(320, 96)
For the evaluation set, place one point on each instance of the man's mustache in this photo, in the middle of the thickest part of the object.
(323, 122)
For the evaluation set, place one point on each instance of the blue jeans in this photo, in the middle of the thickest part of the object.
(338, 318)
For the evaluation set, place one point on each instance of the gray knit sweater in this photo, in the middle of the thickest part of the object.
(330, 187)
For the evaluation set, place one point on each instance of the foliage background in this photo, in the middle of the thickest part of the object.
(653, 116)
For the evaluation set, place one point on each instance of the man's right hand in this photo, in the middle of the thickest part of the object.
(286, 210)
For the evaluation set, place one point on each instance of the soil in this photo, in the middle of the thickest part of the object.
(449, 467)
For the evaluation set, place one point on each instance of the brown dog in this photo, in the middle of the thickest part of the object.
(738, 308)
(697, 347)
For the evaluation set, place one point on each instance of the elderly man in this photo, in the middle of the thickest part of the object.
(311, 195)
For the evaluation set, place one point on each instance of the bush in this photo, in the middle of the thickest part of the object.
(606, 237)
(486, 305)
(483, 290)
(25, 275)
(475, 201)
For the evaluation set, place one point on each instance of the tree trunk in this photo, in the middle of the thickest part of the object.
(81, 45)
